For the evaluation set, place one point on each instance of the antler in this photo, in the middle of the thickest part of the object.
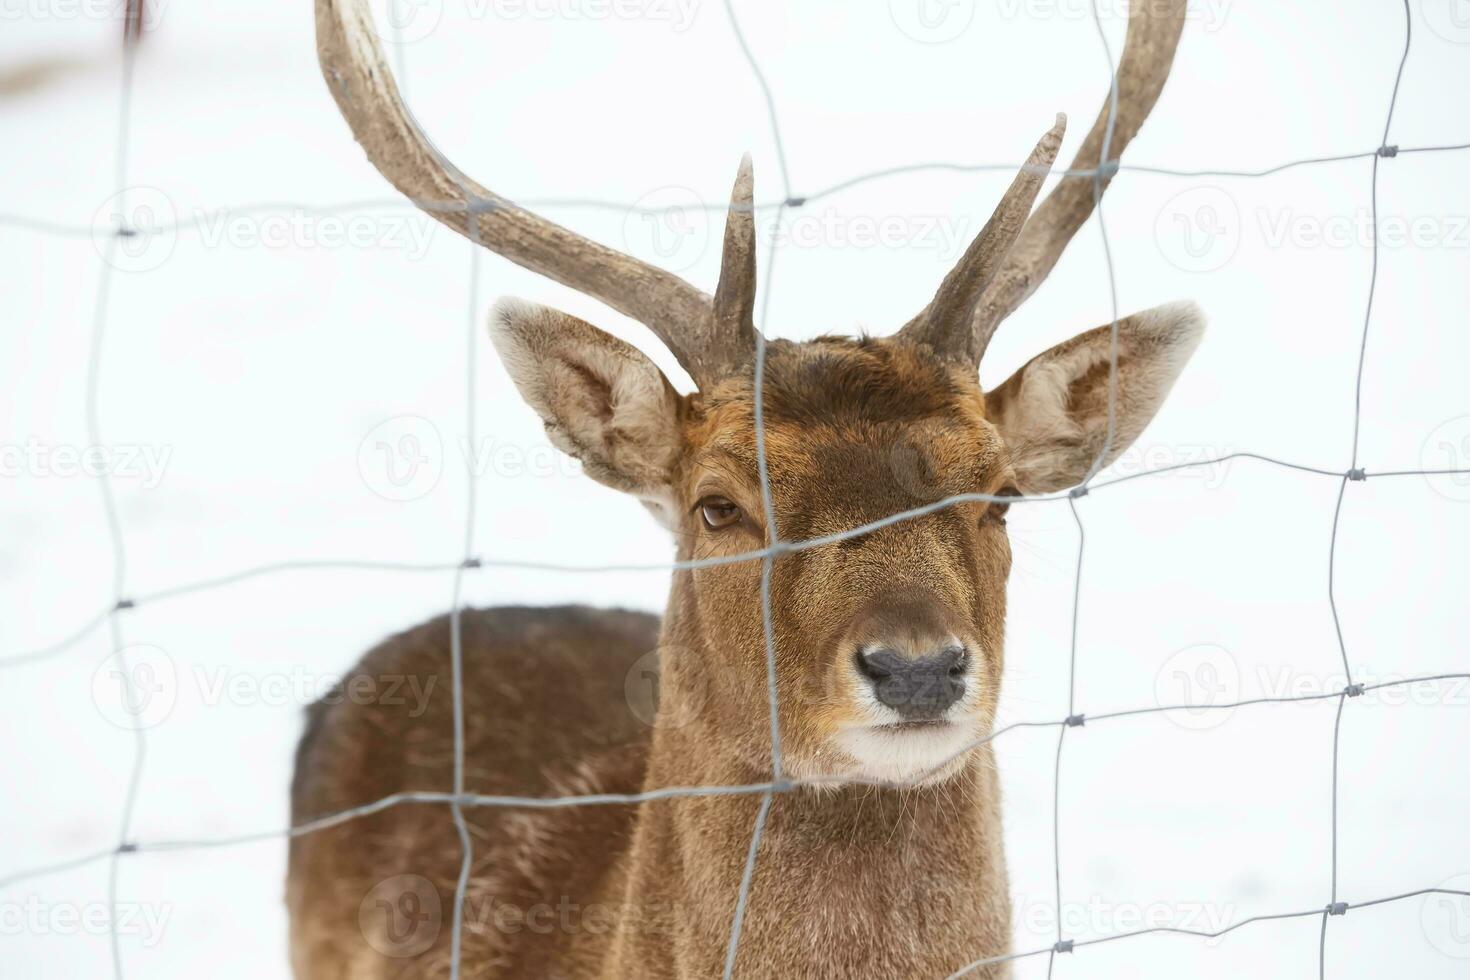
(1003, 281)
(709, 338)
(730, 339)
(945, 324)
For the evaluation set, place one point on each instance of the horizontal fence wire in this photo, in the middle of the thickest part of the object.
(204, 218)
(680, 792)
(473, 563)
(457, 799)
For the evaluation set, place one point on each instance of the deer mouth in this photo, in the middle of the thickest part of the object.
(906, 727)
(907, 751)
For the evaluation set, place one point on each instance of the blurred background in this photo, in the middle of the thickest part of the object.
(283, 379)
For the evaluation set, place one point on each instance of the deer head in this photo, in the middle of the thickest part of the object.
(888, 645)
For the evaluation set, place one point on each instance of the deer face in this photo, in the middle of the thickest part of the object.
(888, 645)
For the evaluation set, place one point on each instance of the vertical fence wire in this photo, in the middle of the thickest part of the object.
(768, 510)
(1354, 474)
(1104, 158)
(122, 666)
(456, 626)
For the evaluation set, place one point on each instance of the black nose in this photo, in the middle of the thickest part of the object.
(918, 688)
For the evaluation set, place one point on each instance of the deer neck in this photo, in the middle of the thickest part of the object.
(837, 867)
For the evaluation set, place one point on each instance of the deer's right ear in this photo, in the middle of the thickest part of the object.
(602, 400)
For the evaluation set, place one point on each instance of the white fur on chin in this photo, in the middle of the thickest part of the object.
(919, 757)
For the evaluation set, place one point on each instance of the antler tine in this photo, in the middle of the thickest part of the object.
(362, 84)
(946, 324)
(1154, 27)
(731, 341)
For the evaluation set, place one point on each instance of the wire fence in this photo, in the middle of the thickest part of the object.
(457, 799)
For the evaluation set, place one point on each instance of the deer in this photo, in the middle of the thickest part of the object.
(882, 852)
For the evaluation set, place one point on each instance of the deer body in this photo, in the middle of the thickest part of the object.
(882, 854)
(609, 891)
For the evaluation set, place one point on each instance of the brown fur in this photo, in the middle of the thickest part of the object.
(853, 880)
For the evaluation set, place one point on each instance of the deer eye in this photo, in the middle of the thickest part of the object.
(718, 513)
(995, 514)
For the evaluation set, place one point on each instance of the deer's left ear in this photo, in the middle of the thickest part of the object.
(601, 399)
(1053, 412)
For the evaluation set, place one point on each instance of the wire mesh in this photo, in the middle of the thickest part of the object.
(457, 799)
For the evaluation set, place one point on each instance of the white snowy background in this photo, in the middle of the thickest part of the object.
(258, 358)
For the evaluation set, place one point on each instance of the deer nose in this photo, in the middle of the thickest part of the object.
(918, 688)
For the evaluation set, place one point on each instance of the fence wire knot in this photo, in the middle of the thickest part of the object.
(1388, 150)
(1062, 946)
(1337, 908)
(1353, 690)
(1076, 721)
(1357, 475)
